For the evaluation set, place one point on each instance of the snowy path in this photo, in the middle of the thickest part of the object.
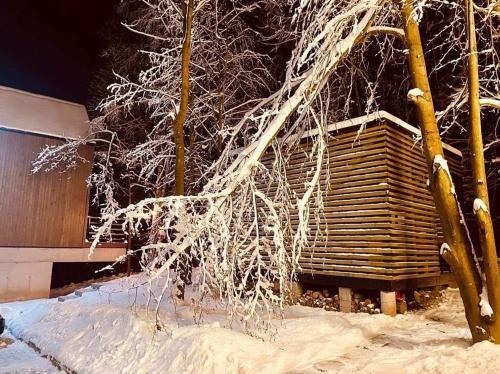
(432, 341)
(18, 358)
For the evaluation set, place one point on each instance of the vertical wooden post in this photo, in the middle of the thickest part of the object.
(345, 298)
(388, 303)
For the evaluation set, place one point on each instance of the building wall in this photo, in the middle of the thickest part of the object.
(42, 216)
(379, 220)
(41, 114)
(43, 209)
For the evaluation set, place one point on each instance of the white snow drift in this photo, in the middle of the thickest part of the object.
(109, 331)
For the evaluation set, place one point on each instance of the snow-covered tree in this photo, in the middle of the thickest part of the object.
(338, 53)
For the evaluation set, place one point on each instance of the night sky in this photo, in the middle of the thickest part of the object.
(52, 47)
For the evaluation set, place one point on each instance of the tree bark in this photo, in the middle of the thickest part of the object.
(187, 7)
(458, 249)
(187, 10)
(481, 204)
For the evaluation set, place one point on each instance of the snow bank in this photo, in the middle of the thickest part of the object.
(19, 358)
(100, 332)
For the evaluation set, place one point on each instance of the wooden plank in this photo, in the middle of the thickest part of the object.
(362, 273)
(45, 209)
(417, 263)
(401, 251)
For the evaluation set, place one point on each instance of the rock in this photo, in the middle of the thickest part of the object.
(368, 302)
(5, 342)
(80, 293)
(67, 297)
(401, 306)
(326, 293)
(412, 305)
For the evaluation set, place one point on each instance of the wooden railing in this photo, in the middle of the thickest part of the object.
(117, 234)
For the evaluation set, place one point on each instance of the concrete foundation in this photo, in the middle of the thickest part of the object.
(26, 280)
(26, 273)
(345, 298)
(388, 303)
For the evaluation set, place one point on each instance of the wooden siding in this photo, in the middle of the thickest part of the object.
(379, 219)
(45, 209)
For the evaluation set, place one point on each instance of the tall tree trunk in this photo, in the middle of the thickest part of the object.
(191, 158)
(129, 231)
(458, 249)
(481, 203)
(187, 11)
(187, 7)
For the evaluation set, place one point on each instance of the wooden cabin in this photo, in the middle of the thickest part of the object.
(379, 228)
(43, 216)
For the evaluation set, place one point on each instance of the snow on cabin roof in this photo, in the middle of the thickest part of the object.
(374, 116)
(38, 114)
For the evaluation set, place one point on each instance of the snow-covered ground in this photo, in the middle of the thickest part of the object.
(101, 332)
(18, 358)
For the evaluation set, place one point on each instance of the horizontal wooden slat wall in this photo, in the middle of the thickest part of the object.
(416, 211)
(412, 205)
(45, 209)
(379, 219)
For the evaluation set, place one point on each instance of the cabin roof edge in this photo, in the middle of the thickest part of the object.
(374, 116)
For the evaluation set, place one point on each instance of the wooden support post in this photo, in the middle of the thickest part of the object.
(345, 297)
(388, 302)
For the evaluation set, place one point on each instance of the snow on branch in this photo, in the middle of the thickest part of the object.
(484, 304)
(479, 205)
(415, 93)
(439, 163)
(490, 102)
(444, 248)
